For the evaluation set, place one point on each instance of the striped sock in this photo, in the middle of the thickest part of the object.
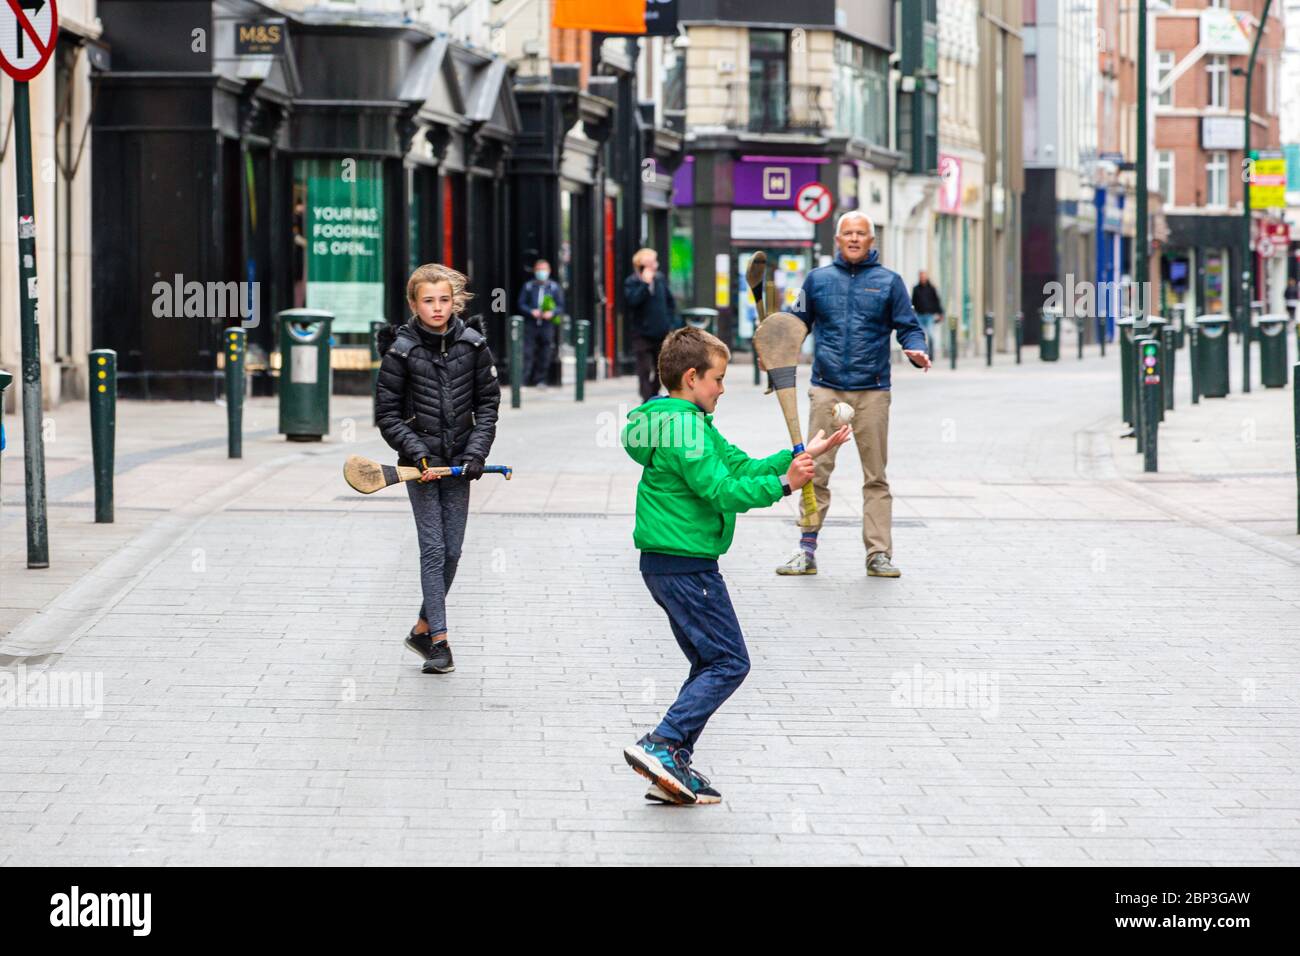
(808, 541)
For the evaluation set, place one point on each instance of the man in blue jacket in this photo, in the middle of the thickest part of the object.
(539, 327)
(853, 306)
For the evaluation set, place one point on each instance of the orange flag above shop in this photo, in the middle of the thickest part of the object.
(605, 16)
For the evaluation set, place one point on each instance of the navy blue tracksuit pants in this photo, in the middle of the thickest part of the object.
(703, 621)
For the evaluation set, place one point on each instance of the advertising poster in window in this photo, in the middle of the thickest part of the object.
(345, 240)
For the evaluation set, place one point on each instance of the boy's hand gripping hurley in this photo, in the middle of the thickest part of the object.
(778, 341)
(368, 476)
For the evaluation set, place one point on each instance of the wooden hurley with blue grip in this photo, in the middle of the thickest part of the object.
(368, 476)
(778, 340)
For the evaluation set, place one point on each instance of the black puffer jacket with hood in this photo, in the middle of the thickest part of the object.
(437, 397)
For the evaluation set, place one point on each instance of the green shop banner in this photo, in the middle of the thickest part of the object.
(345, 240)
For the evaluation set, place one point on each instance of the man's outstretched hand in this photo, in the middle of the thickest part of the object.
(918, 358)
(819, 443)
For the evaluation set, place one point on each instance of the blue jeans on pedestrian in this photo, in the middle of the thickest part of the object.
(927, 321)
(703, 621)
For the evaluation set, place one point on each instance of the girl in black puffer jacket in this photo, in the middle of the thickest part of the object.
(436, 405)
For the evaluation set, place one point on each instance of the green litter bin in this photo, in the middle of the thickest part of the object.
(706, 319)
(1049, 336)
(1271, 332)
(1212, 355)
(305, 374)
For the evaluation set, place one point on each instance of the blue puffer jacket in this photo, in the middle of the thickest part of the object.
(852, 309)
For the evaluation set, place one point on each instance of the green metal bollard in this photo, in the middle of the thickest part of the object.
(516, 358)
(952, 342)
(1167, 359)
(1078, 334)
(375, 361)
(1135, 381)
(1152, 399)
(583, 332)
(1124, 331)
(103, 428)
(236, 346)
(988, 339)
(1020, 334)
(1193, 334)
(754, 352)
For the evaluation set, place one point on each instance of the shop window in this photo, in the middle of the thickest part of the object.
(342, 203)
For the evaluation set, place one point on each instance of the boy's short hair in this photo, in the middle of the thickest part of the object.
(688, 348)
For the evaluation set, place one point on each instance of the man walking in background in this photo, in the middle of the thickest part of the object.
(653, 310)
(928, 308)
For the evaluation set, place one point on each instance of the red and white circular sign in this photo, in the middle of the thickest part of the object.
(813, 202)
(28, 31)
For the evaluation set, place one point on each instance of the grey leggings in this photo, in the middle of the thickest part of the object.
(441, 508)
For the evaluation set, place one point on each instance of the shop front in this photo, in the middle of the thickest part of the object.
(256, 175)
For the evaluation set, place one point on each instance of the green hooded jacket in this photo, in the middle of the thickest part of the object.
(694, 482)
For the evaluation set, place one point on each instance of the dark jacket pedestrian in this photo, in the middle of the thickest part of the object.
(436, 404)
(925, 299)
(539, 325)
(652, 312)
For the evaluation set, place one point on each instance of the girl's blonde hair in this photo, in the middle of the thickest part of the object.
(437, 272)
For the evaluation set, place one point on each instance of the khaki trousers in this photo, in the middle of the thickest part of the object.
(871, 432)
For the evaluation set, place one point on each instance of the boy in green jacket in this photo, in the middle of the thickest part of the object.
(693, 485)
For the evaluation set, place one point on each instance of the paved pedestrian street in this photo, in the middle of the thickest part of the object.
(1081, 664)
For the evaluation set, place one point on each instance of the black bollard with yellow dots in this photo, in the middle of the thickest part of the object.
(236, 346)
(103, 428)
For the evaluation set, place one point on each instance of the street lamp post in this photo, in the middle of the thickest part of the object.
(1248, 276)
(1141, 267)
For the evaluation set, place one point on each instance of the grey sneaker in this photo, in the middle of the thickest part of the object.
(879, 566)
(802, 562)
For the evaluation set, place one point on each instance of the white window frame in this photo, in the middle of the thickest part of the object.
(1216, 70)
(1165, 66)
(1165, 168)
(1216, 168)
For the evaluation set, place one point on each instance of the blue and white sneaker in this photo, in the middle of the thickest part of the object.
(704, 792)
(659, 763)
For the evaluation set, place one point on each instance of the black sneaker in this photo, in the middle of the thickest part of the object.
(704, 791)
(436, 654)
(440, 661)
(657, 761)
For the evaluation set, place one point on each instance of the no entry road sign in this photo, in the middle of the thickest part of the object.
(28, 30)
(813, 202)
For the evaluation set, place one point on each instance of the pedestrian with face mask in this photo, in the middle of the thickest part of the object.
(541, 301)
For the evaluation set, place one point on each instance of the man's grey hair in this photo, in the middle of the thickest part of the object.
(855, 214)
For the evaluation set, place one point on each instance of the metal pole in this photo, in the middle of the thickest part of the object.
(1193, 341)
(1169, 359)
(1141, 266)
(1079, 327)
(952, 342)
(516, 358)
(1248, 277)
(1020, 334)
(1140, 413)
(103, 429)
(375, 361)
(1151, 401)
(236, 345)
(38, 544)
(988, 339)
(580, 353)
